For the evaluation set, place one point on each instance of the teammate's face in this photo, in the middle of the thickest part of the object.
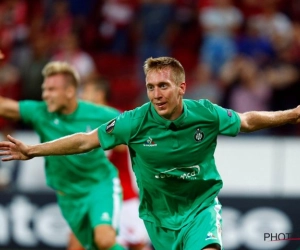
(57, 93)
(164, 93)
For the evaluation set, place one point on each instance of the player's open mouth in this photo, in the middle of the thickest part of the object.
(160, 105)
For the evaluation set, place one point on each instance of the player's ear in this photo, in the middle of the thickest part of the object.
(182, 88)
(70, 91)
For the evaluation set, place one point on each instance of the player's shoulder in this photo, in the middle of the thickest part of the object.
(33, 111)
(139, 112)
(33, 107)
(203, 104)
(34, 103)
(202, 110)
(96, 108)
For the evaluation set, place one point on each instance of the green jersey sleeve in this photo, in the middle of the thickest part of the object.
(115, 132)
(229, 121)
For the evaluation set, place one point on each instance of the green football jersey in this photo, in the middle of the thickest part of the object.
(173, 160)
(70, 174)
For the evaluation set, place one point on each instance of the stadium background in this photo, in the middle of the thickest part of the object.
(242, 54)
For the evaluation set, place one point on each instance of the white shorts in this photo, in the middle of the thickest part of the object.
(132, 228)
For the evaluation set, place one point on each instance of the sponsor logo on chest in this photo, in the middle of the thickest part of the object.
(149, 143)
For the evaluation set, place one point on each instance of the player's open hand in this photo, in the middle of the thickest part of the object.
(297, 111)
(13, 150)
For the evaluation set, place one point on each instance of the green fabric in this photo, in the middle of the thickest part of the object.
(173, 160)
(101, 206)
(204, 230)
(70, 174)
(117, 247)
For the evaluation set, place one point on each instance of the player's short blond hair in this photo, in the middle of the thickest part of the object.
(59, 67)
(166, 62)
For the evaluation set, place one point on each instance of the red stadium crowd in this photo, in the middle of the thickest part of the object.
(242, 54)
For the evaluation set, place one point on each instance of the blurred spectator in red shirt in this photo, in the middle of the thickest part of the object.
(59, 21)
(69, 50)
(13, 25)
(114, 29)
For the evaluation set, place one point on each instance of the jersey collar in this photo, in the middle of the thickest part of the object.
(178, 122)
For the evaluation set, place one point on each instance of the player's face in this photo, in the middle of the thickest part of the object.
(164, 93)
(57, 93)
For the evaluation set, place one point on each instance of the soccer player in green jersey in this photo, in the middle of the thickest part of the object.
(87, 185)
(172, 143)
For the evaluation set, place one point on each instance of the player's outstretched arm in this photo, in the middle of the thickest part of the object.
(256, 120)
(72, 144)
(9, 108)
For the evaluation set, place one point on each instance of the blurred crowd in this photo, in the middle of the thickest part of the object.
(241, 54)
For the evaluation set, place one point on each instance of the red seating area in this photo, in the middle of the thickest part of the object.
(125, 92)
(121, 70)
(111, 65)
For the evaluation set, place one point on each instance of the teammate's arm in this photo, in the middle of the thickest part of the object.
(9, 109)
(256, 120)
(72, 144)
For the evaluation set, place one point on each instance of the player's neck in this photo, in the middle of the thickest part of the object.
(70, 108)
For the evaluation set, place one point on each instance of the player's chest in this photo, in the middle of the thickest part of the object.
(179, 145)
(55, 128)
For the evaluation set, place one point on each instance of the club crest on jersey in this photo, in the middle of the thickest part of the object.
(110, 126)
(199, 135)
